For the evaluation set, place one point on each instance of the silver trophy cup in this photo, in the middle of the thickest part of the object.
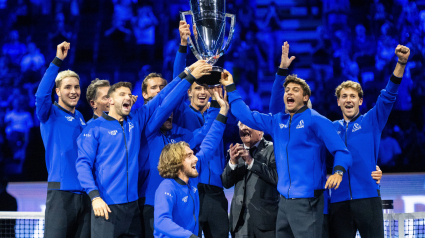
(209, 18)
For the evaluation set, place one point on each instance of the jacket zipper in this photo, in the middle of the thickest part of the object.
(287, 156)
(194, 205)
(348, 171)
(126, 152)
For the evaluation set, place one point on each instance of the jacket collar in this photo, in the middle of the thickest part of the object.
(194, 109)
(354, 119)
(107, 117)
(63, 109)
(95, 116)
(301, 110)
(180, 181)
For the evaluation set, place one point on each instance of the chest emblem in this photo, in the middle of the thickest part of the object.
(356, 127)
(194, 189)
(300, 124)
(283, 126)
(184, 199)
(69, 118)
(112, 133)
(130, 126)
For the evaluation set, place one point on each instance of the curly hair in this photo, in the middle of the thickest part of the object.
(294, 79)
(349, 84)
(171, 159)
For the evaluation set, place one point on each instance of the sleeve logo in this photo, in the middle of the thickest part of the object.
(82, 122)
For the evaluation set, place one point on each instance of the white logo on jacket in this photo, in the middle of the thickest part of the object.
(356, 127)
(300, 125)
(339, 132)
(283, 125)
(130, 126)
(184, 199)
(87, 135)
(112, 133)
(173, 141)
(69, 118)
(82, 122)
(194, 189)
(168, 194)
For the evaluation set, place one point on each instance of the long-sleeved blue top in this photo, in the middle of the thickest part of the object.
(188, 117)
(362, 136)
(108, 151)
(177, 203)
(276, 100)
(300, 139)
(59, 131)
(149, 178)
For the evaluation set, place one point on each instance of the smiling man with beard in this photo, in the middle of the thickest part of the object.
(67, 205)
(302, 134)
(252, 170)
(177, 197)
(108, 150)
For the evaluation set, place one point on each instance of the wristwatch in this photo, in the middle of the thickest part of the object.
(339, 172)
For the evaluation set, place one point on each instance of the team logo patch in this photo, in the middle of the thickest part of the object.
(194, 189)
(87, 135)
(300, 125)
(184, 199)
(173, 141)
(130, 126)
(356, 127)
(69, 118)
(283, 126)
(82, 122)
(112, 133)
(168, 194)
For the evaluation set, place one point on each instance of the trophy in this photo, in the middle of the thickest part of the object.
(209, 18)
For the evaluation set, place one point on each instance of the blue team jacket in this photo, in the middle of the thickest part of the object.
(300, 143)
(107, 161)
(192, 119)
(59, 131)
(362, 136)
(149, 178)
(177, 203)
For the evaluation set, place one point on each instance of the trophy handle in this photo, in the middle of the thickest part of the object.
(189, 39)
(232, 30)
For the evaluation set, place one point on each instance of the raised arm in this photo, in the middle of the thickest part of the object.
(163, 214)
(159, 113)
(180, 61)
(43, 96)
(276, 101)
(255, 120)
(379, 114)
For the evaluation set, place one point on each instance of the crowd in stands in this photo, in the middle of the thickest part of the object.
(142, 37)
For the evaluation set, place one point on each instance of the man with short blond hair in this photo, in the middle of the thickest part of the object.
(67, 204)
(357, 205)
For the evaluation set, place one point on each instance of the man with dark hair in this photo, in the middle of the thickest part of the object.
(176, 199)
(213, 217)
(252, 170)
(97, 97)
(67, 204)
(357, 205)
(152, 84)
(302, 135)
(156, 135)
(108, 152)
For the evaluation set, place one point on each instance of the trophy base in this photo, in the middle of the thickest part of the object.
(213, 78)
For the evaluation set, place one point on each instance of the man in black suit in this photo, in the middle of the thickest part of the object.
(252, 170)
